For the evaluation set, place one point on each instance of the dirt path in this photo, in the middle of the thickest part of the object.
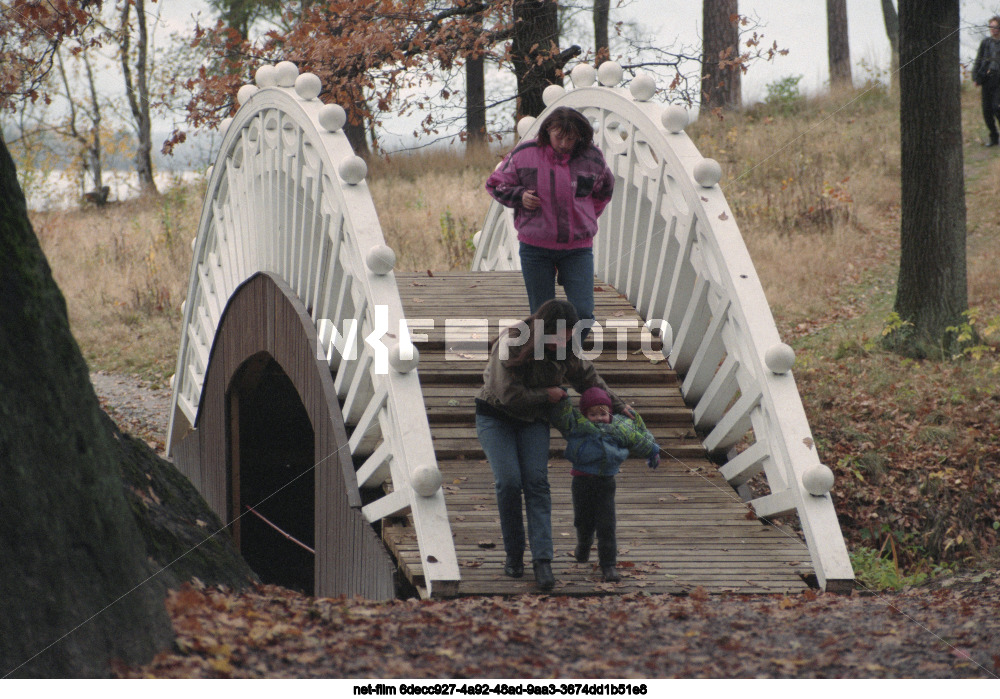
(134, 406)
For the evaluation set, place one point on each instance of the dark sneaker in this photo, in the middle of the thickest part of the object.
(543, 575)
(610, 574)
(513, 567)
(582, 551)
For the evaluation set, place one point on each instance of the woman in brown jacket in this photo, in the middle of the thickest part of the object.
(527, 366)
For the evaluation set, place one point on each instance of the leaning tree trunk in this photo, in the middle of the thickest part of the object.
(720, 69)
(74, 577)
(837, 45)
(137, 91)
(932, 293)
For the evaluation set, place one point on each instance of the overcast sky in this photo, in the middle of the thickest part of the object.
(796, 25)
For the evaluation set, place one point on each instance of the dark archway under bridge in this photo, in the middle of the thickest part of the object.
(266, 342)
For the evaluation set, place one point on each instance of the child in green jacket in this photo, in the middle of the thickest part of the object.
(597, 442)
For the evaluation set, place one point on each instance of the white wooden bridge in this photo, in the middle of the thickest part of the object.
(321, 392)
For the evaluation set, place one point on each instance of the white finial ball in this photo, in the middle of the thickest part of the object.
(225, 124)
(708, 172)
(818, 480)
(404, 357)
(779, 358)
(208, 172)
(610, 73)
(523, 124)
(194, 242)
(552, 94)
(642, 87)
(584, 75)
(266, 76)
(663, 330)
(246, 92)
(183, 306)
(308, 86)
(332, 117)
(426, 480)
(353, 169)
(476, 238)
(287, 72)
(674, 118)
(173, 377)
(380, 259)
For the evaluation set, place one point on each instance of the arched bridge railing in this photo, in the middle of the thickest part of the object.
(287, 195)
(669, 242)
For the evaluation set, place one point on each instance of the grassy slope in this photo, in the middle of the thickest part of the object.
(815, 190)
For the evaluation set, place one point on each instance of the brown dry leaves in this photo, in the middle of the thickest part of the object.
(273, 632)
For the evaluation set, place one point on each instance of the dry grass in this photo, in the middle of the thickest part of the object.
(815, 192)
(430, 205)
(124, 270)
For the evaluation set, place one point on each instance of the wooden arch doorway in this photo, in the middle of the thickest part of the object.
(264, 365)
(272, 476)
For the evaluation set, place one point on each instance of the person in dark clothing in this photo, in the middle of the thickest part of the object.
(986, 74)
(527, 366)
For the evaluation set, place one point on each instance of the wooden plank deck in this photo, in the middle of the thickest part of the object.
(679, 527)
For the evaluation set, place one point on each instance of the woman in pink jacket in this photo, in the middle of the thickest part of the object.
(558, 184)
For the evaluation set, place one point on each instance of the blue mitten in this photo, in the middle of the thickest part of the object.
(654, 460)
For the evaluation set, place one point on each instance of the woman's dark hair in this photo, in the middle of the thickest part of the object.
(569, 121)
(548, 315)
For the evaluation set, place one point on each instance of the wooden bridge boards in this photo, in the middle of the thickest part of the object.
(679, 528)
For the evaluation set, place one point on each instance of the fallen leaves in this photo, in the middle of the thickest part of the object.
(273, 632)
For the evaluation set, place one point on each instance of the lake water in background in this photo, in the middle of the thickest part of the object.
(61, 191)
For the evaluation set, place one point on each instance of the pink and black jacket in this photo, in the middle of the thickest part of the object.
(574, 191)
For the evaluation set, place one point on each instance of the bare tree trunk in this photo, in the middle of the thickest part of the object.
(475, 109)
(932, 292)
(76, 583)
(100, 195)
(475, 91)
(356, 129)
(137, 91)
(602, 14)
(720, 70)
(536, 56)
(892, 31)
(89, 142)
(837, 44)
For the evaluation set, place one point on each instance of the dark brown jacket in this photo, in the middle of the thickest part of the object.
(520, 391)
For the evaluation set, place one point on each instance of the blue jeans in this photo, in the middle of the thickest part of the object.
(576, 274)
(518, 453)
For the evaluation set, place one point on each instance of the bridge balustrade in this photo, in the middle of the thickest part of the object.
(669, 242)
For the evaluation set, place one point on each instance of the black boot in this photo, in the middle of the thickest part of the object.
(610, 573)
(543, 574)
(513, 567)
(582, 551)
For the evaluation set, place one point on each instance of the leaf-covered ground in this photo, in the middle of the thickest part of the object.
(939, 632)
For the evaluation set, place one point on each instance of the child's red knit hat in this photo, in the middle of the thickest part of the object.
(594, 396)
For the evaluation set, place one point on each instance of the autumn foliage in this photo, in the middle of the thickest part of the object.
(369, 54)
